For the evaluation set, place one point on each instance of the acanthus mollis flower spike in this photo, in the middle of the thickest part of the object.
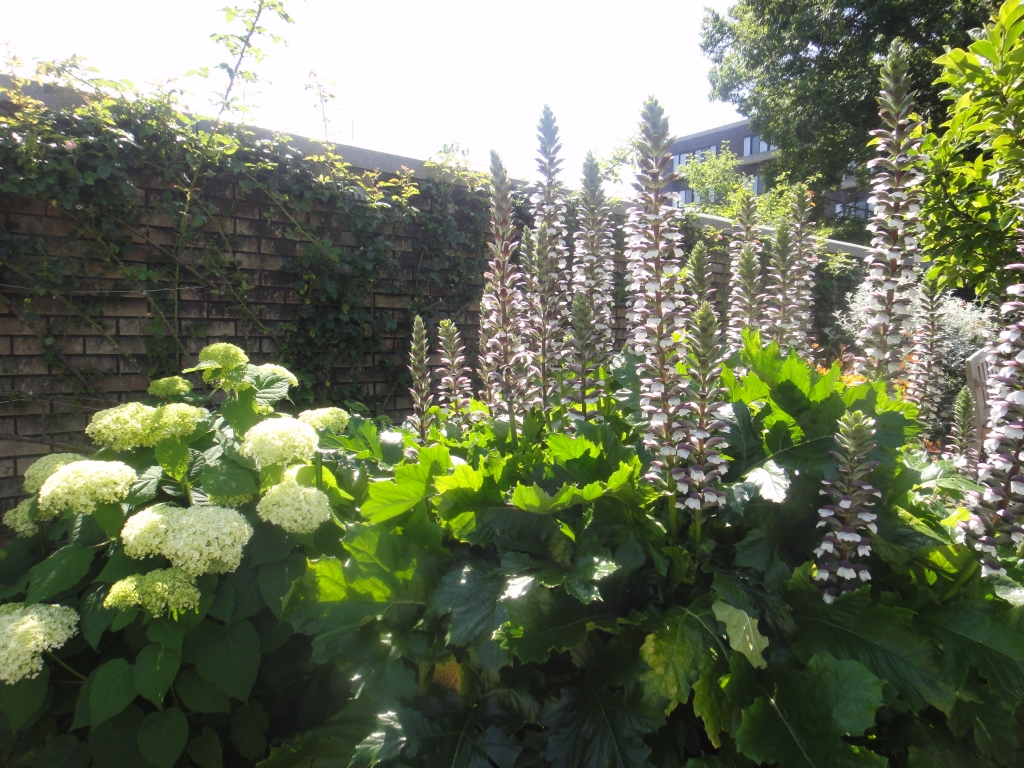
(895, 224)
(655, 316)
(847, 518)
(961, 448)
(592, 342)
(700, 278)
(994, 525)
(419, 369)
(790, 270)
(700, 465)
(454, 390)
(923, 362)
(594, 266)
(502, 308)
(547, 282)
(746, 307)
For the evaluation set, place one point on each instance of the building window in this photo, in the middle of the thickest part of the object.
(686, 196)
(754, 145)
(678, 161)
(757, 185)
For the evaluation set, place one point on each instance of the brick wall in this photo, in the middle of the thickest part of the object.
(39, 411)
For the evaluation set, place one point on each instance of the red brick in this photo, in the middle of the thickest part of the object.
(12, 448)
(125, 308)
(25, 366)
(7, 468)
(27, 345)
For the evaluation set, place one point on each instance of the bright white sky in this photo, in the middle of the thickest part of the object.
(412, 76)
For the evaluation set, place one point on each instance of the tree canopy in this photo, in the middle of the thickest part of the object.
(806, 71)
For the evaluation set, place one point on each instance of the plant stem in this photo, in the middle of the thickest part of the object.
(962, 579)
(673, 516)
(60, 661)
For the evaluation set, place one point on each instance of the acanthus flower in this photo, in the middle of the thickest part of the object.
(419, 369)
(454, 390)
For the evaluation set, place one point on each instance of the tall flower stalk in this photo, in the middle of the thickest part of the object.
(895, 224)
(592, 303)
(994, 525)
(655, 315)
(419, 368)
(746, 300)
(848, 515)
(700, 465)
(790, 273)
(961, 448)
(502, 308)
(922, 366)
(454, 390)
(546, 293)
(700, 278)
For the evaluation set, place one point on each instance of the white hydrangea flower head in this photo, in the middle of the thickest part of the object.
(296, 508)
(280, 441)
(230, 501)
(165, 590)
(78, 487)
(334, 419)
(205, 540)
(226, 356)
(281, 371)
(26, 632)
(174, 420)
(36, 475)
(21, 520)
(170, 386)
(145, 532)
(123, 427)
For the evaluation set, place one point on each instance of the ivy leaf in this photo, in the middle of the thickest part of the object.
(798, 724)
(596, 727)
(113, 689)
(770, 480)
(155, 670)
(228, 656)
(743, 633)
(60, 571)
(984, 636)
(880, 637)
(685, 647)
(162, 737)
(21, 700)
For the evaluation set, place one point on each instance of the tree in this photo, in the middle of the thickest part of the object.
(806, 71)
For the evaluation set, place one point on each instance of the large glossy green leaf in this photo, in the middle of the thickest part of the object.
(472, 596)
(542, 620)
(60, 571)
(985, 636)
(390, 498)
(228, 656)
(798, 722)
(597, 727)
(684, 647)
(743, 633)
(881, 638)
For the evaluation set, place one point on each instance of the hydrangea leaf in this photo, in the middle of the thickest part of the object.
(94, 617)
(228, 656)
(270, 386)
(743, 633)
(249, 722)
(199, 695)
(61, 570)
(596, 727)
(789, 727)
(162, 737)
(685, 646)
(173, 457)
(240, 412)
(155, 670)
(205, 749)
(63, 752)
(114, 744)
(20, 700)
(226, 478)
(880, 637)
(112, 690)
